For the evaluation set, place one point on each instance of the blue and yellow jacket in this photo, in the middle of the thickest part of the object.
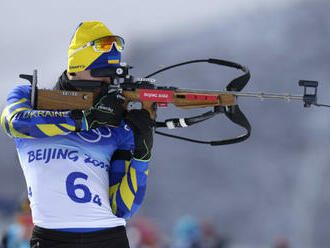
(48, 147)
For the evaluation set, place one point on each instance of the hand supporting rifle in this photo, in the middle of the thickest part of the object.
(107, 111)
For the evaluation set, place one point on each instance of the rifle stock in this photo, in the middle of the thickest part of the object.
(68, 100)
(63, 100)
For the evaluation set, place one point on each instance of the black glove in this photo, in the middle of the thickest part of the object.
(142, 126)
(108, 111)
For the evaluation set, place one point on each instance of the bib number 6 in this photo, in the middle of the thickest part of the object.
(80, 193)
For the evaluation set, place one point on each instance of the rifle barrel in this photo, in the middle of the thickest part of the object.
(260, 95)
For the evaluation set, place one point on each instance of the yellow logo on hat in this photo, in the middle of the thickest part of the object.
(113, 61)
(71, 67)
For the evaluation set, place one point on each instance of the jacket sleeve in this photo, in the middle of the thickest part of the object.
(128, 179)
(19, 120)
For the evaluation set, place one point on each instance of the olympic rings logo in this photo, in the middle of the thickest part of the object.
(95, 135)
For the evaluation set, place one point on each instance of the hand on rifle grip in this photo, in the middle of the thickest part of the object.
(107, 111)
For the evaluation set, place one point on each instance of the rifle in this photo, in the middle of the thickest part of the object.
(147, 94)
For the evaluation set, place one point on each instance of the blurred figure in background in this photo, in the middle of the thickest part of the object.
(210, 237)
(190, 232)
(143, 233)
(281, 243)
(187, 233)
(18, 234)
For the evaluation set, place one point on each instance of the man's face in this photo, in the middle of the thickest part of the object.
(86, 75)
